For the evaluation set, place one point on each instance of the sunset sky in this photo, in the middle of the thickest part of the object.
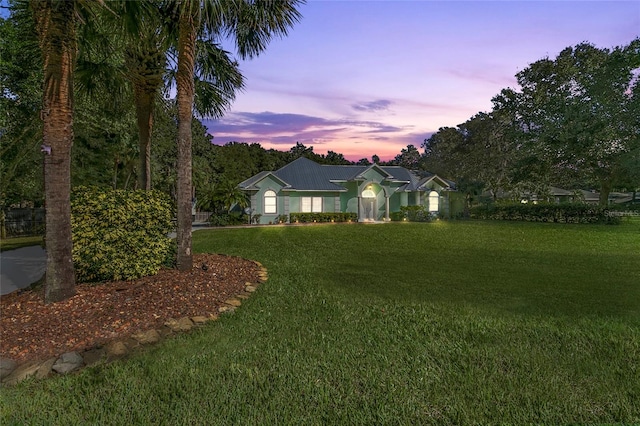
(370, 77)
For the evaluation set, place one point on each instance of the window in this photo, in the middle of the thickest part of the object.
(311, 204)
(434, 200)
(270, 202)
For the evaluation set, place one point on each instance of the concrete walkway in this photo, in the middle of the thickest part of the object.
(21, 267)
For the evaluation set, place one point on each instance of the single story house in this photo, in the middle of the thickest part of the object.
(372, 192)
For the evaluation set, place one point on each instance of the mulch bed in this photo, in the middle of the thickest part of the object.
(102, 312)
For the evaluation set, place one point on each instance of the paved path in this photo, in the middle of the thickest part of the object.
(21, 267)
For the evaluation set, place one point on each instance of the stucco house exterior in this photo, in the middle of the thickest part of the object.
(372, 192)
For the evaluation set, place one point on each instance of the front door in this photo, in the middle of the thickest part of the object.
(370, 209)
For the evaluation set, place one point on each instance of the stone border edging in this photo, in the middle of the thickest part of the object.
(12, 373)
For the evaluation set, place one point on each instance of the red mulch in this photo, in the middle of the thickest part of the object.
(102, 312)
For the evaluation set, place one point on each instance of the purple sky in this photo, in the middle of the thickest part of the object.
(370, 77)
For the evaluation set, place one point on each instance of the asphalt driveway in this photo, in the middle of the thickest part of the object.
(21, 267)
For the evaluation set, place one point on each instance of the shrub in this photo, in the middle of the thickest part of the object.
(415, 213)
(545, 212)
(118, 234)
(283, 218)
(229, 219)
(396, 216)
(322, 217)
(219, 219)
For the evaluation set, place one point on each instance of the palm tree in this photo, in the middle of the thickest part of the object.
(252, 24)
(56, 27)
(146, 63)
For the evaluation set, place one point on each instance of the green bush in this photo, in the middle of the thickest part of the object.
(545, 212)
(118, 234)
(228, 219)
(322, 217)
(396, 216)
(415, 213)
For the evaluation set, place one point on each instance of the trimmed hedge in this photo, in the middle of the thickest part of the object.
(119, 234)
(544, 212)
(322, 217)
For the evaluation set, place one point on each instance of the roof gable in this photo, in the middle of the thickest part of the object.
(423, 184)
(252, 182)
(373, 169)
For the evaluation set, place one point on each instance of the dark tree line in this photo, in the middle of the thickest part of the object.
(574, 122)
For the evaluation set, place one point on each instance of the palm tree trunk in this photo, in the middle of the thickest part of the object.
(56, 30)
(144, 113)
(185, 88)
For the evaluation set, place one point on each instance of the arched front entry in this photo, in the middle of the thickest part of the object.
(372, 198)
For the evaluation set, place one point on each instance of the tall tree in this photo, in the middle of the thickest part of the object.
(583, 111)
(408, 158)
(252, 24)
(56, 27)
(189, 15)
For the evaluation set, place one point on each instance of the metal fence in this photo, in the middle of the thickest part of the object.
(22, 222)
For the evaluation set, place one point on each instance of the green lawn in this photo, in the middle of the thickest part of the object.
(18, 242)
(443, 323)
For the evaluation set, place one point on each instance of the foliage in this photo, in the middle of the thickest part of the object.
(20, 100)
(119, 234)
(322, 217)
(415, 213)
(544, 212)
(228, 219)
(408, 158)
(396, 216)
(283, 218)
(579, 113)
(483, 149)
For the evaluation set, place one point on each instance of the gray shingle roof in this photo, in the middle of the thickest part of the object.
(303, 174)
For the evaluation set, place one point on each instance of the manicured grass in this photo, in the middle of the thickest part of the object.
(18, 242)
(442, 323)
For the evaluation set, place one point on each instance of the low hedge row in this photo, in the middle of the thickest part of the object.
(118, 234)
(228, 219)
(544, 212)
(322, 217)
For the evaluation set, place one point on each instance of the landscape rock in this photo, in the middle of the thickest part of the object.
(226, 308)
(131, 343)
(6, 367)
(200, 319)
(22, 372)
(147, 337)
(250, 288)
(45, 368)
(117, 348)
(182, 324)
(233, 302)
(68, 362)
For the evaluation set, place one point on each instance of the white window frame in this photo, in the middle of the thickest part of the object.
(271, 206)
(311, 204)
(434, 202)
